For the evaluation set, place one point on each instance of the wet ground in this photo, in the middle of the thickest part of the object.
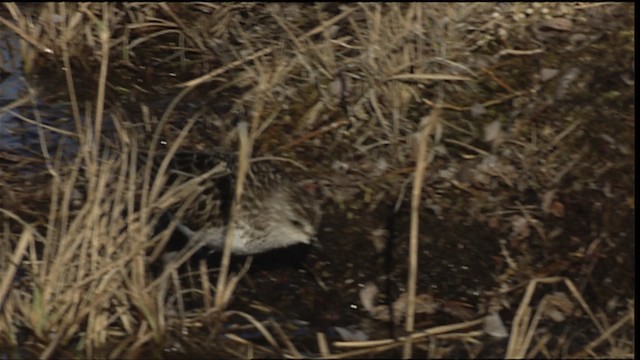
(491, 220)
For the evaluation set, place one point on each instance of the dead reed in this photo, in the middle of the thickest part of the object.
(340, 89)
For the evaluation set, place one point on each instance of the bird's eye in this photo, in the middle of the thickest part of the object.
(295, 223)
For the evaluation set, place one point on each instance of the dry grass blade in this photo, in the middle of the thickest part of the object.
(524, 327)
(363, 344)
(342, 94)
(285, 339)
(427, 126)
(210, 76)
(422, 334)
(376, 346)
(19, 31)
(243, 168)
(25, 99)
(576, 294)
(233, 281)
(606, 335)
(323, 346)
(248, 344)
(206, 285)
(428, 77)
(516, 347)
(7, 278)
(104, 28)
(39, 124)
(149, 197)
(258, 325)
(366, 352)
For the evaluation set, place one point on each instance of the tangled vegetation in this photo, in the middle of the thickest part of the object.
(476, 162)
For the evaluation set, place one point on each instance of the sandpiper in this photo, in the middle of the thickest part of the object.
(274, 211)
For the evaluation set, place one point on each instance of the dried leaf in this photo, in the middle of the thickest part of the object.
(494, 326)
(493, 132)
(477, 110)
(559, 306)
(368, 296)
(559, 24)
(520, 227)
(425, 304)
(547, 200)
(351, 335)
(557, 209)
(336, 88)
(379, 239)
(458, 310)
(547, 74)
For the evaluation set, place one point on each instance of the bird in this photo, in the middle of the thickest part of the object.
(275, 211)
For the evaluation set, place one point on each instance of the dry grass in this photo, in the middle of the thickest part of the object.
(322, 86)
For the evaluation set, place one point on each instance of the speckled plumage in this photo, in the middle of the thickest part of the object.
(274, 211)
